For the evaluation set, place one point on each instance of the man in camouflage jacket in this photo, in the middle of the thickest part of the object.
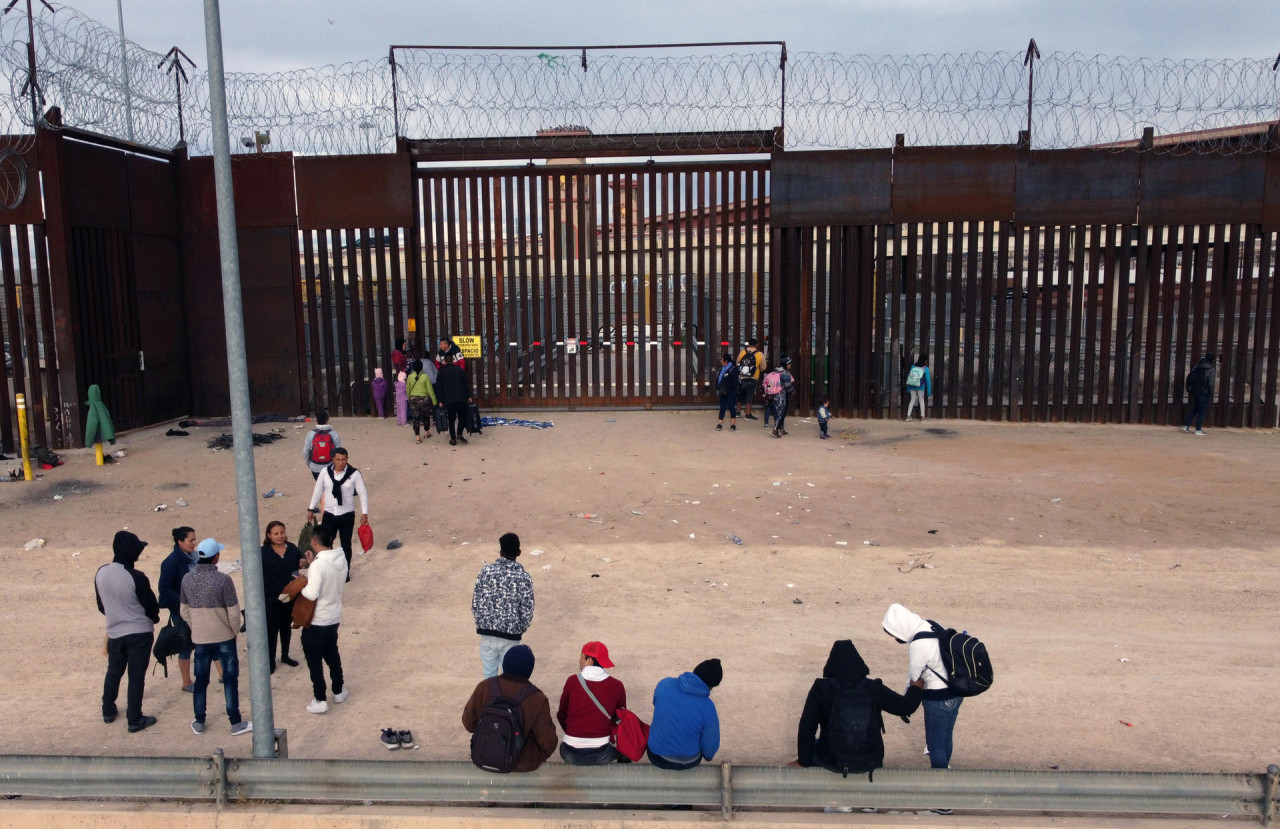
(502, 604)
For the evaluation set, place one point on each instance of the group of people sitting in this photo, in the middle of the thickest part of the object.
(685, 729)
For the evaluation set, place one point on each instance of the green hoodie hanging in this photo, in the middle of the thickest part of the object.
(98, 428)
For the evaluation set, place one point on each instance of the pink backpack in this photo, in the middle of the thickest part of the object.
(772, 383)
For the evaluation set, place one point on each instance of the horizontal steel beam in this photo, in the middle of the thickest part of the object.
(746, 788)
(593, 146)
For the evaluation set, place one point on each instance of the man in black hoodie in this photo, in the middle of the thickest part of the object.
(124, 596)
(454, 391)
(843, 708)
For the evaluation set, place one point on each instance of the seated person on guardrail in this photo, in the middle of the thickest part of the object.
(686, 727)
(588, 705)
(844, 709)
(509, 718)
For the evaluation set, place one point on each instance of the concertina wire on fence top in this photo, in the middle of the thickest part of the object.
(832, 101)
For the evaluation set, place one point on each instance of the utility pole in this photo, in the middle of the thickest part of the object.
(124, 71)
(32, 86)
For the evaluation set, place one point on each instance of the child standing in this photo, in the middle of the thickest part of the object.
(824, 415)
(919, 386)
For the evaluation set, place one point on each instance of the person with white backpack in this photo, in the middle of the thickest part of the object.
(919, 386)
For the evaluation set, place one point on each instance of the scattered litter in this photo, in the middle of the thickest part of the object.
(270, 494)
(733, 538)
(513, 421)
(607, 560)
(674, 521)
(394, 544)
(695, 503)
(224, 442)
(1054, 500)
(76, 553)
(586, 515)
(1053, 766)
(636, 512)
(33, 544)
(933, 532)
(235, 566)
(160, 508)
(691, 535)
(182, 502)
(1175, 567)
(546, 567)
(808, 484)
(790, 585)
(916, 564)
(842, 543)
(777, 483)
(176, 433)
(120, 453)
(57, 497)
(796, 600)
(535, 552)
(1126, 724)
(1124, 659)
(593, 575)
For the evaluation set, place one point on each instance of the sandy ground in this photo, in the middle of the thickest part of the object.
(1123, 578)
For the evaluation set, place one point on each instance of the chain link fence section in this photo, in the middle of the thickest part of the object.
(832, 101)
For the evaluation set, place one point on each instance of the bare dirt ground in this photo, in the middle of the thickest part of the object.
(1124, 579)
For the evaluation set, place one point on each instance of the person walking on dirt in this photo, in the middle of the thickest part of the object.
(924, 658)
(919, 387)
(727, 386)
(750, 369)
(1200, 383)
(212, 610)
(502, 604)
(320, 445)
(455, 394)
(782, 397)
(338, 486)
(124, 596)
(422, 399)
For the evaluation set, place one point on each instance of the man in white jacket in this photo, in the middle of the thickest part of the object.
(941, 705)
(326, 576)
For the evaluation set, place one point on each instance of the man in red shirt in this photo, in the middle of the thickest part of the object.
(588, 705)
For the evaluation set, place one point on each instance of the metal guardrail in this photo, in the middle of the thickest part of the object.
(729, 788)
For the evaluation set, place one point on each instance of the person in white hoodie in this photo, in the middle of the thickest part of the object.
(941, 705)
(326, 576)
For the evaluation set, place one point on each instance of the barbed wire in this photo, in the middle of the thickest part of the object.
(832, 101)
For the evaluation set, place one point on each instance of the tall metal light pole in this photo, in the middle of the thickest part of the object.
(264, 739)
(124, 71)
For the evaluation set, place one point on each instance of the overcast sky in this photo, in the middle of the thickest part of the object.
(267, 35)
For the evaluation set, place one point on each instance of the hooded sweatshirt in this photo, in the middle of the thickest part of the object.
(124, 596)
(844, 668)
(923, 655)
(685, 723)
(325, 579)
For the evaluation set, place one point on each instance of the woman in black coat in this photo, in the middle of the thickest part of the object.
(281, 558)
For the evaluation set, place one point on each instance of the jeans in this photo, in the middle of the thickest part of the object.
(601, 756)
(822, 426)
(279, 627)
(225, 653)
(133, 653)
(492, 649)
(729, 403)
(663, 763)
(1199, 408)
(939, 723)
(344, 525)
(320, 647)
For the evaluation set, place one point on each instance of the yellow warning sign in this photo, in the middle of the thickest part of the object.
(469, 345)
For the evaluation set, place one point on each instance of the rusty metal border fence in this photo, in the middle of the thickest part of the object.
(30, 366)
(1037, 298)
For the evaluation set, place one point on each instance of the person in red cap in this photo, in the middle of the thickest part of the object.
(588, 704)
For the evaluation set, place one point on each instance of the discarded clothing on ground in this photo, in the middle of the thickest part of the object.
(227, 441)
(226, 421)
(512, 421)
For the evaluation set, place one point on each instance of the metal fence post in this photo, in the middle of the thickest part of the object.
(726, 791)
(1273, 790)
(219, 778)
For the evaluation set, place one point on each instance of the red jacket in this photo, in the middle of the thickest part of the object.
(579, 716)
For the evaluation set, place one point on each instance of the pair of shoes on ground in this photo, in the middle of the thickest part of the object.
(393, 739)
(242, 727)
(733, 427)
(320, 706)
(824, 437)
(455, 442)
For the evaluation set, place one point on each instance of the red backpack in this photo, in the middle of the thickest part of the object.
(322, 447)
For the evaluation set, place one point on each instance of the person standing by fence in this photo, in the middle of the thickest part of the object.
(455, 394)
(338, 486)
(1200, 384)
(422, 399)
(919, 386)
(124, 596)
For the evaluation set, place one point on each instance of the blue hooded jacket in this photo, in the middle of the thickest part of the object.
(685, 723)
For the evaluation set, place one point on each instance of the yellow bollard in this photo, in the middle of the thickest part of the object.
(22, 438)
(97, 454)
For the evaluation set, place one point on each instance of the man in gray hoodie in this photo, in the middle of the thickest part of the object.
(125, 597)
(924, 657)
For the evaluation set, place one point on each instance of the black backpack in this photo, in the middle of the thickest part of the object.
(499, 736)
(173, 639)
(1198, 380)
(969, 670)
(747, 365)
(853, 730)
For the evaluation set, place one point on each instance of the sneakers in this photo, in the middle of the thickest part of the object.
(197, 727)
(733, 427)
(109, 718)
(719, 427)
(406, 738)
(750, 417)
(461, 439)
(390, 739)
(1199, 433)
(775, 433)
(453, 441)
(145, 722)
(908, 420)
(341, 698)
(1186, 428)
(824, 437)
(190, 687)
(292, 663)
(317, 706)
(242, 727)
